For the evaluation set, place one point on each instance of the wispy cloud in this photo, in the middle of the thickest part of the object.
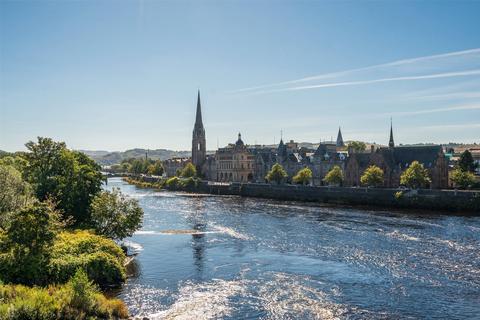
(420, 62)
(436, 110)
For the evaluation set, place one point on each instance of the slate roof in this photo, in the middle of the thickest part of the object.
(426, 155)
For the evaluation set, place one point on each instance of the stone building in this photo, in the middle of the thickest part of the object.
(394, 160)
(172, 165)
(235, 163)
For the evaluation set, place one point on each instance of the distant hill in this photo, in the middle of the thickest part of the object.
(109, 158)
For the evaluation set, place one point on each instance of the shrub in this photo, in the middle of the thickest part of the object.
(172, 183)
(78, 299)
(462, 179)
(101, 258)
(188, 183)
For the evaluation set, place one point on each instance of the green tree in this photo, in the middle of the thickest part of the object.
(334, 176)
(116, 216)
(372, 177)
(139, 166)
(463, 179)
(15, 193)
(357, 146)
(17, 162)
(156, 168)
(276, 174)
(28, 236)
(189, 171)
(466, 162)
(70, 177)
(416, 176)
(303, 176)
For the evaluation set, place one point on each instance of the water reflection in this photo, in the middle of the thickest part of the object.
(232, 258)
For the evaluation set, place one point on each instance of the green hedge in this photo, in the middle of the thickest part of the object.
(100, 257)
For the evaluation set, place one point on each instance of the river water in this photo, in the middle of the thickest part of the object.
(218, 257)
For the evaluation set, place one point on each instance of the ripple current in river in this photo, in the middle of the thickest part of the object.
(211, 257)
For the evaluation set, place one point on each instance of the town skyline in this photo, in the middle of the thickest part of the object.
(128, 78)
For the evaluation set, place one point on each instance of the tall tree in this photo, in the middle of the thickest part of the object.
(372, 177)
(70, 177)
(334, 176)
(276, 174)
(303, 176)
(466, 162)
(156, 168)
(116, 216)
(416, 176)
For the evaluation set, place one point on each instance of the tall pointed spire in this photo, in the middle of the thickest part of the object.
(391, 144)
(198, 118)
(340, 138)
(199, 151)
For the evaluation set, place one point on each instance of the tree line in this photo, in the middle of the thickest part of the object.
(57, 232)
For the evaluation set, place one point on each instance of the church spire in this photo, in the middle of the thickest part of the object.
(391, 144)
(198, 119)
(340, 138)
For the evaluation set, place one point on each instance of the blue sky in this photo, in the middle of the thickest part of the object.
(114, 75)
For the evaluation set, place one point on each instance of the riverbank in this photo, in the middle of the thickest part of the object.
(455, 201)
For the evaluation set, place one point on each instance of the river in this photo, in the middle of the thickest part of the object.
(221, 257)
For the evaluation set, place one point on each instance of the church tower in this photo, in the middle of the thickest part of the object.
(199, 151)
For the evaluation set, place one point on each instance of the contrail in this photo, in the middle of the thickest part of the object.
(457, 108)
(345, 72)
(363, 82)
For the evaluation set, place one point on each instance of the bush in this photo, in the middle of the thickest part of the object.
(334, 176)
(101, 258)
(188, 183)
(172, 183)
(78, 299)
(303, 176)
(276, 174)
(372, 177)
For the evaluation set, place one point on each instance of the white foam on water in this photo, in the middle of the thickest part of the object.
(401, 236)
(136, 247)
(232, 233)
(202, 301)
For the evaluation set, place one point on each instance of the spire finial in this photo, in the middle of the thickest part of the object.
(391, 143)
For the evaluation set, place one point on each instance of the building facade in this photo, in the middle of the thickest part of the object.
(235, 163)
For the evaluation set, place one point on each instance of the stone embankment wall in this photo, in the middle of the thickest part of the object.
(444, 200)
(441, 200)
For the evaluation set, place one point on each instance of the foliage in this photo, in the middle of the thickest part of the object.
(398, 195)
(372, 177)
(276, 174)
(189, 171)
(101, 258)
(462, 179)
(416, 176)
(17, 162)
(188, 182)
(77, 299)
(357, 146)
(25, 244)
(15, 193)
(466, 163)
(303, 176)
(114, 215)
(334, 176)
(70, 177)
(172, 182)
(156, 168)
